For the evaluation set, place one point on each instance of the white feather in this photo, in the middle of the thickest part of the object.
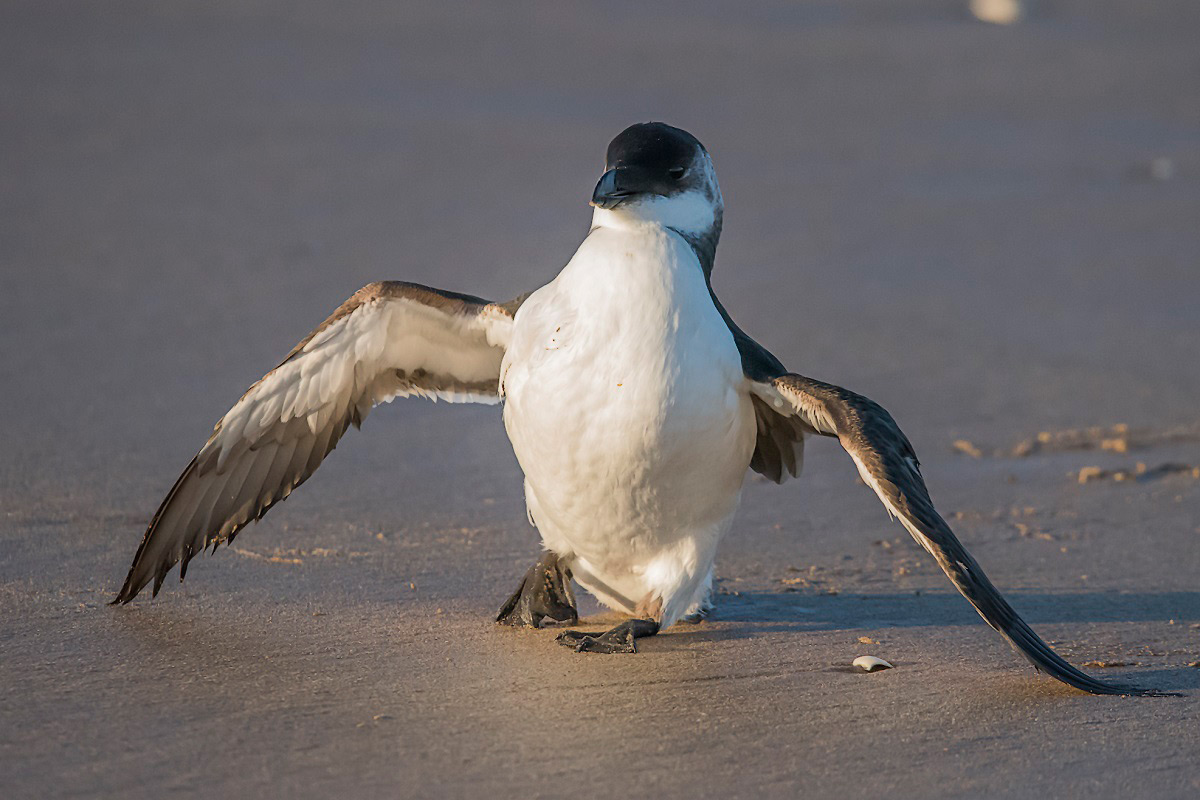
(352, 354)
(627, 409)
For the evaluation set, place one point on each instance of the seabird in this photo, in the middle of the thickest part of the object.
(634, 403)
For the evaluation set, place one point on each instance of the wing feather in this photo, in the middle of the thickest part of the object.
(389, 340)
(887, 463)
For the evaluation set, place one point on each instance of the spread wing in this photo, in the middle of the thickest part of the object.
(389, 340)
(887, 464)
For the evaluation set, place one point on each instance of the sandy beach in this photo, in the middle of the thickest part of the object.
(992, 230)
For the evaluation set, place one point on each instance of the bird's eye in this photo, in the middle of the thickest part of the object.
(676, 173)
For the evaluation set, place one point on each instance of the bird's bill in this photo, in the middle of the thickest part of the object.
(621, 183)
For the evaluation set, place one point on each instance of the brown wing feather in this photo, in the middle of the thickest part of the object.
(277, 435)
(889, 465)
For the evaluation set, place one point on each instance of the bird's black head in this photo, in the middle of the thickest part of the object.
(658, 173)
(652, 158)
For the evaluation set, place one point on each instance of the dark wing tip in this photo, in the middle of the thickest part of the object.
(138, 576)
(1098, 687)
(1133, 691)
(974, 585)
(129, 590)
(1038, 653)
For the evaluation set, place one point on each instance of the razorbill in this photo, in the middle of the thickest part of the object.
(635, 406)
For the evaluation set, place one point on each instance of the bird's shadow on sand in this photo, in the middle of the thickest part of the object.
(787, 611)
(746, 615)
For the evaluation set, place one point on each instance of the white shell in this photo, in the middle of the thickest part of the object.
(871, 663)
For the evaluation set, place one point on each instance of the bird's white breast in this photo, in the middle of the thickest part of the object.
(626, 406)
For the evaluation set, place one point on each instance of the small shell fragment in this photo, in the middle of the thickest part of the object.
(871, 664)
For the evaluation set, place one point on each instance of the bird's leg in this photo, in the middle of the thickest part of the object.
(545, 592)
(621, 638)
(699, 611)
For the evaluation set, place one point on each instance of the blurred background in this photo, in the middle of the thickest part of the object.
(985, 215)
(910, 190)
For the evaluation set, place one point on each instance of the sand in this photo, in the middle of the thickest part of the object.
(991, 230)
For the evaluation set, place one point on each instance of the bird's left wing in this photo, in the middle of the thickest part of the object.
(887, 464)
(390, 339)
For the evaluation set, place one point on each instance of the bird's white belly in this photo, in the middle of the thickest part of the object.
(626, 406)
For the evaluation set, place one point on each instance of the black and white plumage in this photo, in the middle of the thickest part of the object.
(634, 403)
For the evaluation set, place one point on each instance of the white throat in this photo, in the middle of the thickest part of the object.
(691, 213)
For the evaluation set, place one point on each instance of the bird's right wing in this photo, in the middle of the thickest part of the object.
(389, 340)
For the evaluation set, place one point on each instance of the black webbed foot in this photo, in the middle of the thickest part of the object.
(545, 593)
(620, 639)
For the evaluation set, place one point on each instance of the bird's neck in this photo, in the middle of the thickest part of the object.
(700, 226)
